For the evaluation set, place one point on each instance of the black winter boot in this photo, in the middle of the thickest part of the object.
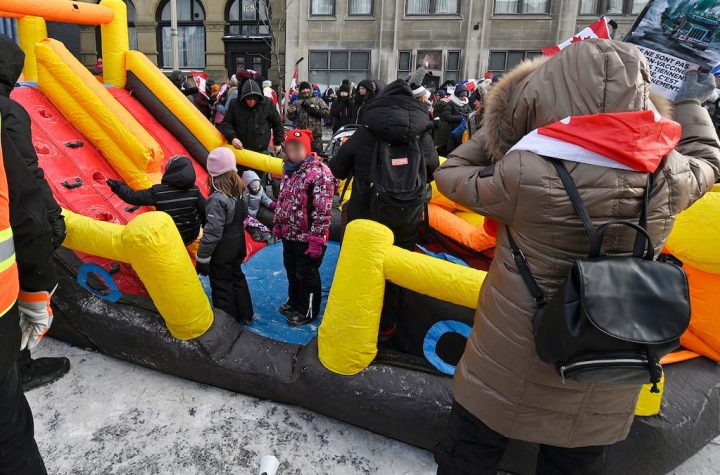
(297, 319)
(42, 371)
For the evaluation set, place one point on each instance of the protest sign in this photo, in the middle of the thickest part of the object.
(675, 34)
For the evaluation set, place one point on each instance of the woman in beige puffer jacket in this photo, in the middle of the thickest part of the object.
(502, 389)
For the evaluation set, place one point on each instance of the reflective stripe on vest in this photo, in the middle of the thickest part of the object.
(7, 249)
(9, 281)
(9, 284)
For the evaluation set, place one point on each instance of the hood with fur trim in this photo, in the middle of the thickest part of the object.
(543, 91)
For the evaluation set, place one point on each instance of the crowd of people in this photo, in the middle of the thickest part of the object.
(502, 391)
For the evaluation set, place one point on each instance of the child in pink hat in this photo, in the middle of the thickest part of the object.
(222, 247)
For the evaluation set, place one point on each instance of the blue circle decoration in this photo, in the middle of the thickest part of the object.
(114, 293)
(433, 336)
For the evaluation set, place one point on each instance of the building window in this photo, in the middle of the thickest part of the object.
(329, 68)
(523, 7)
(191, 34)
(452, 66)
(360, 7)
(404, 63)
(618, 7)
(501, 61)
(248, 18)
(322, 7)
(432, 7)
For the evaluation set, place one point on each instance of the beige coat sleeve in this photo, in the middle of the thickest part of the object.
(700, 145)
(468, 178)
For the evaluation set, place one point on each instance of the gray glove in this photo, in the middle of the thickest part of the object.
(696, 88)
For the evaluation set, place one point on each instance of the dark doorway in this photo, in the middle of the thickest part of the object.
(247, 36)
(247, 54)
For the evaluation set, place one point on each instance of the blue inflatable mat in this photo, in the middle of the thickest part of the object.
(268, 286)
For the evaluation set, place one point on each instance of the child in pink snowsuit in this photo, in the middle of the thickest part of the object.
(302, 221)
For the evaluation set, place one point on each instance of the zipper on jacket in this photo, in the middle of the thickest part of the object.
(605, 362)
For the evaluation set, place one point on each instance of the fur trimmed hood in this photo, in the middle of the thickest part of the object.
(590, 77)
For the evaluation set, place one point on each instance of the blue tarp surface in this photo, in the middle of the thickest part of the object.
(268, 286)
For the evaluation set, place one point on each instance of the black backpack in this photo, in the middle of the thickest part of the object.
(616, 316)
(398, 183)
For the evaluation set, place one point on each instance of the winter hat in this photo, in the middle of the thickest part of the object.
(250, 176)
(233, 81)
(367, 84)
(267, 84)
(251, 89)
(461, 88)
(304, 85)
(300, 135)
(220, 160)
(344, 87)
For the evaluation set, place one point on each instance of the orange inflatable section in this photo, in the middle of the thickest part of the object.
(469, 235)
(703, 336)
(65, 11)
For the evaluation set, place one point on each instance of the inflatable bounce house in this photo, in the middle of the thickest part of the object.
(128, 287)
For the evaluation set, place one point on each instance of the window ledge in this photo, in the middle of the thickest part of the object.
(612, 16)
(407, 17)
(360, 18)
(520, 16)
(322, 18)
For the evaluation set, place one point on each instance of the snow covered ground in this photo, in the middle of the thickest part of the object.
(111, 417)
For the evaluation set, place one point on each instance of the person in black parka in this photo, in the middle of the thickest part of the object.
(250, 119)
(342, 108)
(16, 132)
(396, 116)
(176, 195)
(365, 92)
(457, 108)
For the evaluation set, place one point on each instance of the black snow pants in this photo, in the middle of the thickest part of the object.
(230, 291)
(303, 273)
(19, 454)
(469, 447)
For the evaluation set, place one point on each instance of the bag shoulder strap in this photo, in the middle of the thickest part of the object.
(575, 199)
(524, 269)
(640, 239)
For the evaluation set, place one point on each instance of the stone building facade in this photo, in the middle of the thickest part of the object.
(355, 39)
(458, 38)
(216, 36)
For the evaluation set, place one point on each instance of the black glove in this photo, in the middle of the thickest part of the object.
(114, 185)
(202, 268)
(315, 112)
(58, 231)
(305, 104)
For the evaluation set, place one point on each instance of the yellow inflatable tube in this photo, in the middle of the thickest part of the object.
(347, 339)
(174, 100)
(31, 30)
(152, 245)
(126, 145)
(695, 238)
(115, 43)
(206, 133)
(65, 11)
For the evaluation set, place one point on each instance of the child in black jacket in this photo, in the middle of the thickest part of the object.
(176, 195)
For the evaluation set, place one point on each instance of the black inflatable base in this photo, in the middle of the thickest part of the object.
(392, 400)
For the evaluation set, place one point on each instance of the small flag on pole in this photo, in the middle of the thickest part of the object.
(599, 29)
(201, 82)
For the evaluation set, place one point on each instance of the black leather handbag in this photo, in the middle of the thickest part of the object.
(615, 316)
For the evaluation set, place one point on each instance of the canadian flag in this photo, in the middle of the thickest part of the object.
(293, 82)
(599, 29)
(623, 140)
(201, 82)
